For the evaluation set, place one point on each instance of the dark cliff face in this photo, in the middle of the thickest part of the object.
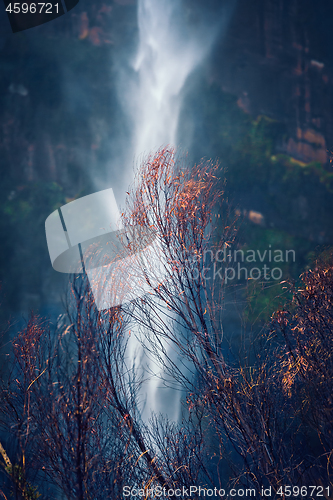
(277, 57)
(58, 117)
(266, 110)
(58, 106)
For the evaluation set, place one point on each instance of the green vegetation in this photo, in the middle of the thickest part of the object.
(24, 254)
(265, 297)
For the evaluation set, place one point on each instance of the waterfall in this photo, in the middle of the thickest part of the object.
(168, 52)
(150, 90)
(151, 82)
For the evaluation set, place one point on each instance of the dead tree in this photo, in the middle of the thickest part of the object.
(254, 420)
(70, 403)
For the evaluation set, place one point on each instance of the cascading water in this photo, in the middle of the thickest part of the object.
(169, 50)
(167, 54)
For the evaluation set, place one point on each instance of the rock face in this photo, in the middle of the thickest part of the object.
(277, 57)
